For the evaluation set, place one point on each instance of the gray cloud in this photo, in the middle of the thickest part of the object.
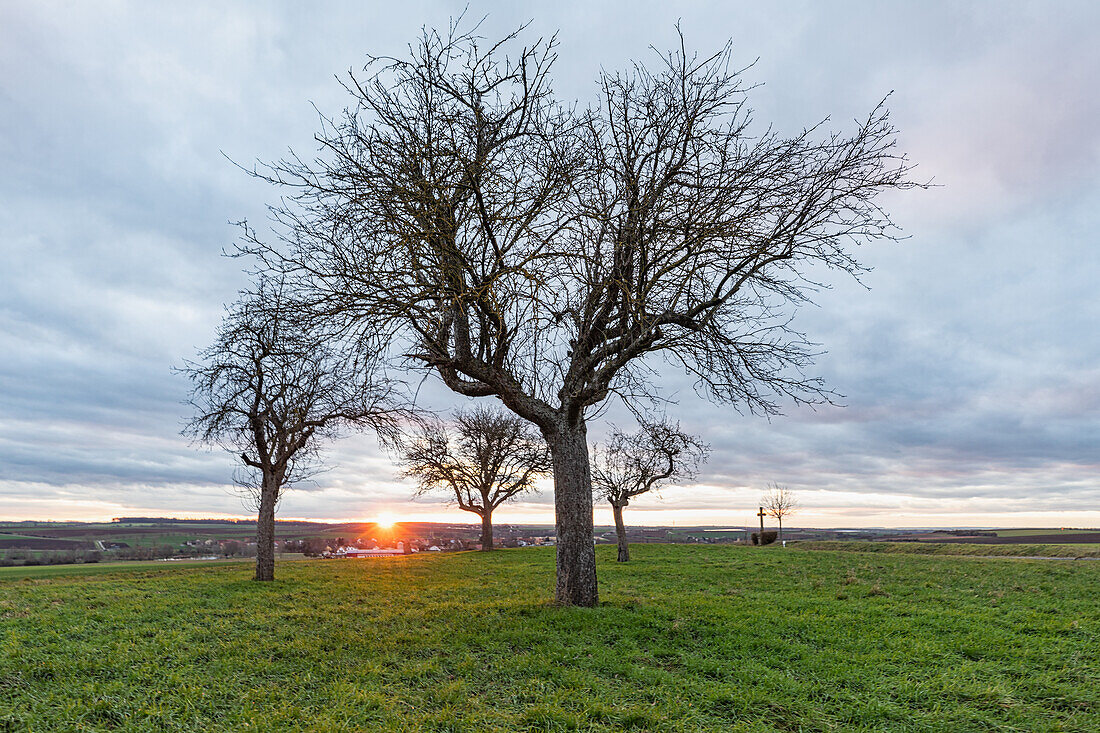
(968, 369)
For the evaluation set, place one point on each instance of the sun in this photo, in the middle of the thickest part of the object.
(385, 520)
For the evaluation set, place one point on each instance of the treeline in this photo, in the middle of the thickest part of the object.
(12, 558)
(227, 549)
(313, 546)
(170, 520)
(967, 532)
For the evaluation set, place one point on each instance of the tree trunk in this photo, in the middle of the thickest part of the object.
(576, 556)
(487, 529)
(780, 531)
(620, 533)
(265, 532)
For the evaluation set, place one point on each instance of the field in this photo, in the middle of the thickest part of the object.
(126, 566)
(687, 638)
(161, 532)
(1061, 550)
(1041, 532)
(74, 534)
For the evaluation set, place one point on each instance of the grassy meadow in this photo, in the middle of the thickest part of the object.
(125, 566)
(1068, 551)
(687, 638)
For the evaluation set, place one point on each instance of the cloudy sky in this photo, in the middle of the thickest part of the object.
(970, 369)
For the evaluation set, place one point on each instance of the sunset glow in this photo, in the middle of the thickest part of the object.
(385, 520)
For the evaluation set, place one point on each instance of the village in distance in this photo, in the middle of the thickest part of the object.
(36, 543)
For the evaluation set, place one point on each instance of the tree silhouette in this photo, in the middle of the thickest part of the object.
(490, 457)
(629, 465)
(778, 502)
(269, 392)
(460, 219)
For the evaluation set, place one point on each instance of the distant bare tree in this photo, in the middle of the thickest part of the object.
(778, 502)
(491, 457)
(269, 393)
(630, 465)
(458, 218)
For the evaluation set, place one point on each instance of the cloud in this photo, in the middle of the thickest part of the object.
(968, 369)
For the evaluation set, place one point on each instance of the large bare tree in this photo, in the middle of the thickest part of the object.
(631, 464)
(269, 392)
(778, 502)
(489, 458)
(461, 219)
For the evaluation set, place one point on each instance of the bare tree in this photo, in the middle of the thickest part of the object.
(269, 393)
(630, 465)
(491, 457)
(778, 502)
(460, 219)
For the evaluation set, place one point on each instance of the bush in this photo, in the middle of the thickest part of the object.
(768, 537)
(60, 557)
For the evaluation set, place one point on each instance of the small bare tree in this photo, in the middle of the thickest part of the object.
(269, 393)
(459, 218)
(778, 502)
(630, 465)
(489, 458)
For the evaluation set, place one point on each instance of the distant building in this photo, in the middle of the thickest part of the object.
(357, 552)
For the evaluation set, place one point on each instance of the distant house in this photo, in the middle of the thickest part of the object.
(364, 552)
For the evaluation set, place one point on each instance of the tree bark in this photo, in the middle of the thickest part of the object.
(620, 533)
(265, 533)
(576, 556)
(487, 530)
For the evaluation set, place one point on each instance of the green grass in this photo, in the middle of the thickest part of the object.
(954, 548)
(128, 566)
(51, 571)
(687, 638)
(1030, 532)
